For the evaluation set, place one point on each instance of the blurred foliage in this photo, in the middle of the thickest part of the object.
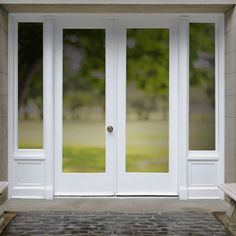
(148, 60)
(84, 68)
(83, 71)
(147, 72)
(202, 58)
(202, 86)
(30, 66)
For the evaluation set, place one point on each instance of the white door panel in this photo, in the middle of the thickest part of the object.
(122, 174)
(85, 137)
(133, 179)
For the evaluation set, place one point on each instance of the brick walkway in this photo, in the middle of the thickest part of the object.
(77, 223)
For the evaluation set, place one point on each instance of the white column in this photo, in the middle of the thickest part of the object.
(48, 30)
(183, 105)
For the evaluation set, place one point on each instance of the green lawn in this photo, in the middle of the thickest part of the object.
(84, 144)
(83, 159)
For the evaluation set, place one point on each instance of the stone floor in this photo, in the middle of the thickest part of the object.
(78, 223)
(114, 216)
(114, 223)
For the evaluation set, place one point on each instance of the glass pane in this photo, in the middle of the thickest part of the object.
(83, 100)
(202, 87)
(147, 100)
(30, 85)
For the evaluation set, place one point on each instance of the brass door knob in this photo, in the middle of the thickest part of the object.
(110, 129)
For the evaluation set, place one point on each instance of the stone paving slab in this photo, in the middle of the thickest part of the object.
(114, 223)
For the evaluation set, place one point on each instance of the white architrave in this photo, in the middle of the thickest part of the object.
(200, 183)
(40, 183)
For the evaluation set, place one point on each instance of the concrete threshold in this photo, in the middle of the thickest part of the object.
(115, 204)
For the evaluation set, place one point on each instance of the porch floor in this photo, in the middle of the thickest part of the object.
(115, 204)
(114, 216)
(67, 223)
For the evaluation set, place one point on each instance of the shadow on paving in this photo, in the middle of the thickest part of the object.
(111, 223)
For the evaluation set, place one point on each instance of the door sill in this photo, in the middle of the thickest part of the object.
(82, 195)
(148, 194)
(114, 196)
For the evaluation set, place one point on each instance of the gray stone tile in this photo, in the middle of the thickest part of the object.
(108, 223)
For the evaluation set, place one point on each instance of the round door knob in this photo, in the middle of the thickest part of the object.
(109, 129)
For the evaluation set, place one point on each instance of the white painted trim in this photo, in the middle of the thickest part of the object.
(148, 194)
(48, 104)
(116, 122)
(14, 153)
(211, 155)
(221, 103)
(204, 193)
(79, 194)
(27, 197)
(200, 17)
(121, 97)
(57, 109)
(29, 155)
(216, 155)
(183, 107)
(35, 192)
(15, 19)
(11, 71)
(46, 154)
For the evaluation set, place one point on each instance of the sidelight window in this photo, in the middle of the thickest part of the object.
(30, 85)
(202, 86)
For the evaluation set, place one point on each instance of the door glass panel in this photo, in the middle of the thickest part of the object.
(147, 100)
(202, 87)
(83, 100)
(30, 85)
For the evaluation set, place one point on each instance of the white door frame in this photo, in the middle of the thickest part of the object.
(122, 183)
(191, 185)
(40, 184)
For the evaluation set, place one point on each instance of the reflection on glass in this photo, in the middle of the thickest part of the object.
(202, 87)
(30, 85)
(147, 100)
(83, 100)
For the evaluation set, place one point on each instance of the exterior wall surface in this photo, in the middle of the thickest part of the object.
(230, 95)
(152, 2)
(117, 8)
(230, 92)
(3, 95)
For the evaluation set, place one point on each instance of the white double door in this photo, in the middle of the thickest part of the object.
(116, 106)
